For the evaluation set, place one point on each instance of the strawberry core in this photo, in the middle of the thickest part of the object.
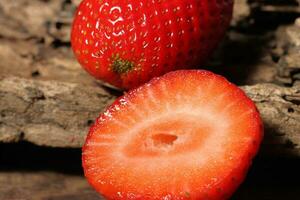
(168, 136)
(163, 139)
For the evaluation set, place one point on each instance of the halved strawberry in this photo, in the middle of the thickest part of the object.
(189, 134)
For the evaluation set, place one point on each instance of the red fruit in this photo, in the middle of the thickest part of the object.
(186, 135)
(128, 42)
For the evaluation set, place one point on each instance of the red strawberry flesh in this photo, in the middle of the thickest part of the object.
(189, 134)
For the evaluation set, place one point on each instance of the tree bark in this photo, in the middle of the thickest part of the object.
(280, 111)
(48, 113)
(45, 185)
(58, 114)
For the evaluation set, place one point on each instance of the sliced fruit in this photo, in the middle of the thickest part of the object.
(189, 134)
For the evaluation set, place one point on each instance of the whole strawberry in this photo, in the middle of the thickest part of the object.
(128, 42)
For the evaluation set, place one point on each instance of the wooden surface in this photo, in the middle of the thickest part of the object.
(29, 172)
(59, 114)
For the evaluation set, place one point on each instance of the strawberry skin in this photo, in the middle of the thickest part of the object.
(128, 42)
(189, 134)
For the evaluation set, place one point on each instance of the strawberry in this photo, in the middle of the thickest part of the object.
(128, 42)
(189, 134)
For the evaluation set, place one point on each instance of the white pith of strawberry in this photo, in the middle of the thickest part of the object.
(189, 134)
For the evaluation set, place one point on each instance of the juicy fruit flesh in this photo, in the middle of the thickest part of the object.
(187, 135)
(168, 137)
(154, 37)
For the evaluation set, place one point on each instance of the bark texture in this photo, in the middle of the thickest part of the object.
(45, 186)
(280, 111)
(58, 114)
(50, 113)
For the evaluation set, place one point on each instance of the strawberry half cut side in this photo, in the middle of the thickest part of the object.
(189, 134)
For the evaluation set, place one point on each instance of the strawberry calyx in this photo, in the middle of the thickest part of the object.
(120, 65)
